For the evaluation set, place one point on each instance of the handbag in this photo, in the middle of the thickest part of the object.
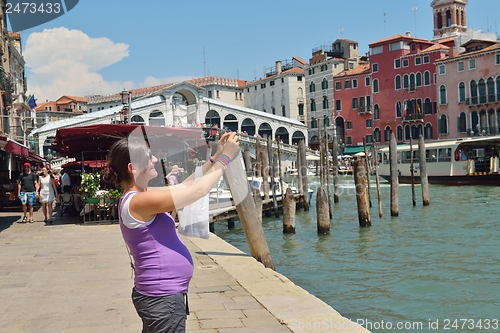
(193, 222)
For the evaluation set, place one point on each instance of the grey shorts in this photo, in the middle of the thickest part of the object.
(161, 314)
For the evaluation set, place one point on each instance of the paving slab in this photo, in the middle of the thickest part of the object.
(73, 277)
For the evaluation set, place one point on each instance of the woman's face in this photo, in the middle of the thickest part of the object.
(45, 171)
(142, 177)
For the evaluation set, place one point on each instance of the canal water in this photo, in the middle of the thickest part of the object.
(432, 269)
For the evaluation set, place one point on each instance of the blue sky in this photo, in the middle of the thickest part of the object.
(104, 46)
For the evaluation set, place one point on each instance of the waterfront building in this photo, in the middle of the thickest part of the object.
(353, 107)
(404, 86)
(281, 91)
(222, 89)
(468, 85)
(327, 61)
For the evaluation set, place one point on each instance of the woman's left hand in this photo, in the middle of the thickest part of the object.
(221, 143)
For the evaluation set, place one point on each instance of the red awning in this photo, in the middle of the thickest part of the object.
(72, 141)
(87, 163)
(16, 148)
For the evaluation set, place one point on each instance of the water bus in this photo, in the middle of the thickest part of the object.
(467, 161)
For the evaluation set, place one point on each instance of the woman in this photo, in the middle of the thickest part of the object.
(47, 193)
(162, 265)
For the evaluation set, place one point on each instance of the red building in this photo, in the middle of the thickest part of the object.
(404, 87)
(353, 105)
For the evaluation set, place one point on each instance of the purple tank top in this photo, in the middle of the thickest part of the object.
(163, 264)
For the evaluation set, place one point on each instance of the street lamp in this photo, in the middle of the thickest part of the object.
(126, 113)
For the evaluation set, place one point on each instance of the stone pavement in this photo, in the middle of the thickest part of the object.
(69, 277)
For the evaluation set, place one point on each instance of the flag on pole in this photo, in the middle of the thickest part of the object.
(31, 101)
(405, 109)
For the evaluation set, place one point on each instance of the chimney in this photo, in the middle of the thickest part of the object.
(279, 67)
(453, 52)
(408, 34)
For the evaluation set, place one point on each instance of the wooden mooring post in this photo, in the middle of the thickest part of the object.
(412, 174)
(246, 208)
(248, 161)
(335, 165)
(423, 172)
(289, 212)
(327, 170)
(377, 179)
(322, 212)
(273, 163)
(368, 171)
(360, 178)
(393, 160)
(303, 175)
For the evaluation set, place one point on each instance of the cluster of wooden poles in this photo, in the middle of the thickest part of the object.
(268, 166)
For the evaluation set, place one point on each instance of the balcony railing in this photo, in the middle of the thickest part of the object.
(412, 88)
(483, 99)
(417, 117)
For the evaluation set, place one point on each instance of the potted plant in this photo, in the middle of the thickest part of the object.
(89, 187)
(112, 196)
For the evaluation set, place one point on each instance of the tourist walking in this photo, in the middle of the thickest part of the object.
(162, 263)
(27, 190)
(47, 194)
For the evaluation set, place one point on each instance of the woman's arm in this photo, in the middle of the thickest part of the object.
(145, 205)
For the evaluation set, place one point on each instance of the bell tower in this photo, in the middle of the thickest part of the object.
(449, 18)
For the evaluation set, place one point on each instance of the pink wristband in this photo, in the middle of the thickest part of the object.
(211, 160)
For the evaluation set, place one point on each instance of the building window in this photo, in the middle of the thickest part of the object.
(397, 63)
(462, 123)
(282, 80)
(283, 111)
(369, 138)
(442, 94)
(348, 140)
(375, 86)
(299, 78)
(442, 69)
(460, 66)
(235, 95)
(347, 84)
(351, 65)
(271, 83)
(443, 129)
(427, 59)
(301, 109)
(324, 84)
(262, 85)
(497, 59)
(419, 79)
(399, 133)
(368, 123)
(367, 81)
(427, 78)
(325, 102)
(313, 105)
(405, 81)
(376, 112)
(354, 103)
(406, 63)
(461, 92)
(314, 123)
(312, 87)
(348, 124)
(472, 63)
(397, 82)
(418, 61)
(338, 85)
(374, 68)
(354, 83)
(376, 135)
(387, 134)
(311, 70)
(338, 105)
(210, 94)
(324, 67)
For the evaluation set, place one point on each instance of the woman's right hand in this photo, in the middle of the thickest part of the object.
(231, 145)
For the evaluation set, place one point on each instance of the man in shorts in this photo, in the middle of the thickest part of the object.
(27, 187)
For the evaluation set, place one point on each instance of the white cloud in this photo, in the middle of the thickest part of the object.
(60, 62)
(152, 81)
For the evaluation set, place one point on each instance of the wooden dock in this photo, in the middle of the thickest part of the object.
(226, 210)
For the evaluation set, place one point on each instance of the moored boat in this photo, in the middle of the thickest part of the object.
(468, 161)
